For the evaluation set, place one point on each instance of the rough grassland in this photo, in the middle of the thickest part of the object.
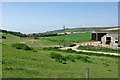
(29, 64)
(99, 49)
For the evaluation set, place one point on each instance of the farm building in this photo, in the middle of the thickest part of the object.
(110, 37)
(40, 34)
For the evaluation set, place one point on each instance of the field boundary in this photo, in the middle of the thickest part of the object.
(75, 49)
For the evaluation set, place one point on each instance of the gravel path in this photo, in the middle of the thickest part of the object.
(75, 48)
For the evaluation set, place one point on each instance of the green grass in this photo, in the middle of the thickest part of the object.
(64, 59)
(21, 46)
(80, 37)
(82, 29)
(41, 42)
(87, 29)
(11, 39)
(28, 64)
(98, 49)
(80, 52)
(117, 30)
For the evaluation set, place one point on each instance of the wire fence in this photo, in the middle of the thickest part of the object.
(86, 72)
(90, 71)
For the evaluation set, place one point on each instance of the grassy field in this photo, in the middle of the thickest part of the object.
(28, 64)
(81, 29)
(98, 49)
(87, 29)
(80, 37)
(11, 39)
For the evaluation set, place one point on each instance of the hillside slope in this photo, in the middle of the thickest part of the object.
(28, 64)
(80, 29)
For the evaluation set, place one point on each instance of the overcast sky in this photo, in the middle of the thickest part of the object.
(29, 17)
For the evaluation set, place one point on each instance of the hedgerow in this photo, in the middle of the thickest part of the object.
(80, 52)
(63, 59)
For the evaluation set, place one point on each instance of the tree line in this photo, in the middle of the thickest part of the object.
(13, 33)
(29, 35)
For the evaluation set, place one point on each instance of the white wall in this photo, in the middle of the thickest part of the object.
(103, 39)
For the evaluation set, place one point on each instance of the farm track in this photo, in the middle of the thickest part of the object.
(77, 45)
(74, 48)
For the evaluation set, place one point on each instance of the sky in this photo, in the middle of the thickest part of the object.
(31, 17)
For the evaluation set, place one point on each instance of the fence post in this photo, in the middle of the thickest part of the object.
(87, 73)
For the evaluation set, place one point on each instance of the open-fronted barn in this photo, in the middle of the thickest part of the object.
(110, 37)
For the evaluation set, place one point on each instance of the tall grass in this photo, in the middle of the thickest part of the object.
(63, 59)
(80, 52)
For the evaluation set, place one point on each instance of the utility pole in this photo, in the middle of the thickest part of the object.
(87, 73)
(64, 35)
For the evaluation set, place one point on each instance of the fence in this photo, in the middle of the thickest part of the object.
(86, 72)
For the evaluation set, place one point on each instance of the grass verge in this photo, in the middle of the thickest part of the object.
(98, 49)
(75, 52)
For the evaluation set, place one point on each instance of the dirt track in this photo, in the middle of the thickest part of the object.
(75, 48)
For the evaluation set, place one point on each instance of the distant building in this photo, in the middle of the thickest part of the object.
(111, 37)
(40, 34)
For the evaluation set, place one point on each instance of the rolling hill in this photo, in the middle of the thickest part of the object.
(18, 63)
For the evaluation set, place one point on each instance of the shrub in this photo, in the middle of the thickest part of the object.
(103, 49)
(50, 48)
(3, 62)
(70, 51)
(71, 58)
(64, 62)
(36, 38)
(109, 70)
(21, 46)
(80, 52)
(3, 37)
(54, 55)
(71, 45)
(45, 48)
(58, 57)
(8, 68)
(62, 59)
(83, 58)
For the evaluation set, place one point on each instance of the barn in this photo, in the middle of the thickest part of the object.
(109, 37)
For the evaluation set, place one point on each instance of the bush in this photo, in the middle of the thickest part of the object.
(54, 55)
(58, 57)
(3, 37)
(102, 49)
(64, 62)
(71, 58)
(70, 51)
(36, 38)
(48, 34)
(71, 45)
(62, 59)
(21, 46)
(80, 52)
(8, 68)
(50, 48)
